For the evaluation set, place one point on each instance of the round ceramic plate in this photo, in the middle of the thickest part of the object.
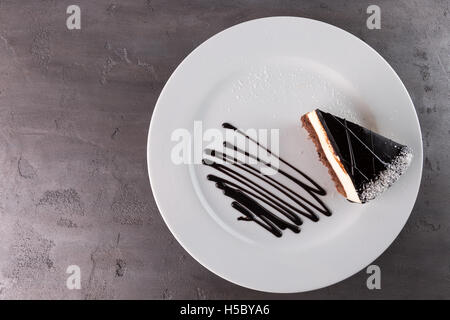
(265, 74)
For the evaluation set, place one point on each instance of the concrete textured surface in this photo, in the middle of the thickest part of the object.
(75, 107)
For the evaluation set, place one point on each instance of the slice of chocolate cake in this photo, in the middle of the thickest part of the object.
(361, 162)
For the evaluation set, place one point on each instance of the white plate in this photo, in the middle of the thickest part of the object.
(266, 73)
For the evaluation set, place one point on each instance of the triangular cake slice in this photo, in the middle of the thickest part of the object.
(361, 162)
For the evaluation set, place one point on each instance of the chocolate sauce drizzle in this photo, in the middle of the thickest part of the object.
(254, 201)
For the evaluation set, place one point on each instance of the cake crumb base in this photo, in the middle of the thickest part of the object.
(312, 135)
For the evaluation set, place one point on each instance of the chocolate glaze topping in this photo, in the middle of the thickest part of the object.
(364, 153)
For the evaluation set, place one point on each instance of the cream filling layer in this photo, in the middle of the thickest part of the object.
(332, 158)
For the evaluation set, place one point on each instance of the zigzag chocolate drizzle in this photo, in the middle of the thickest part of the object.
(254, 201)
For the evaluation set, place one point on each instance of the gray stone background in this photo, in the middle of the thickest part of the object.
(75, 108)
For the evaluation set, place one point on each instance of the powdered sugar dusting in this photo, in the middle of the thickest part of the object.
(297, 85)
(387, 177)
